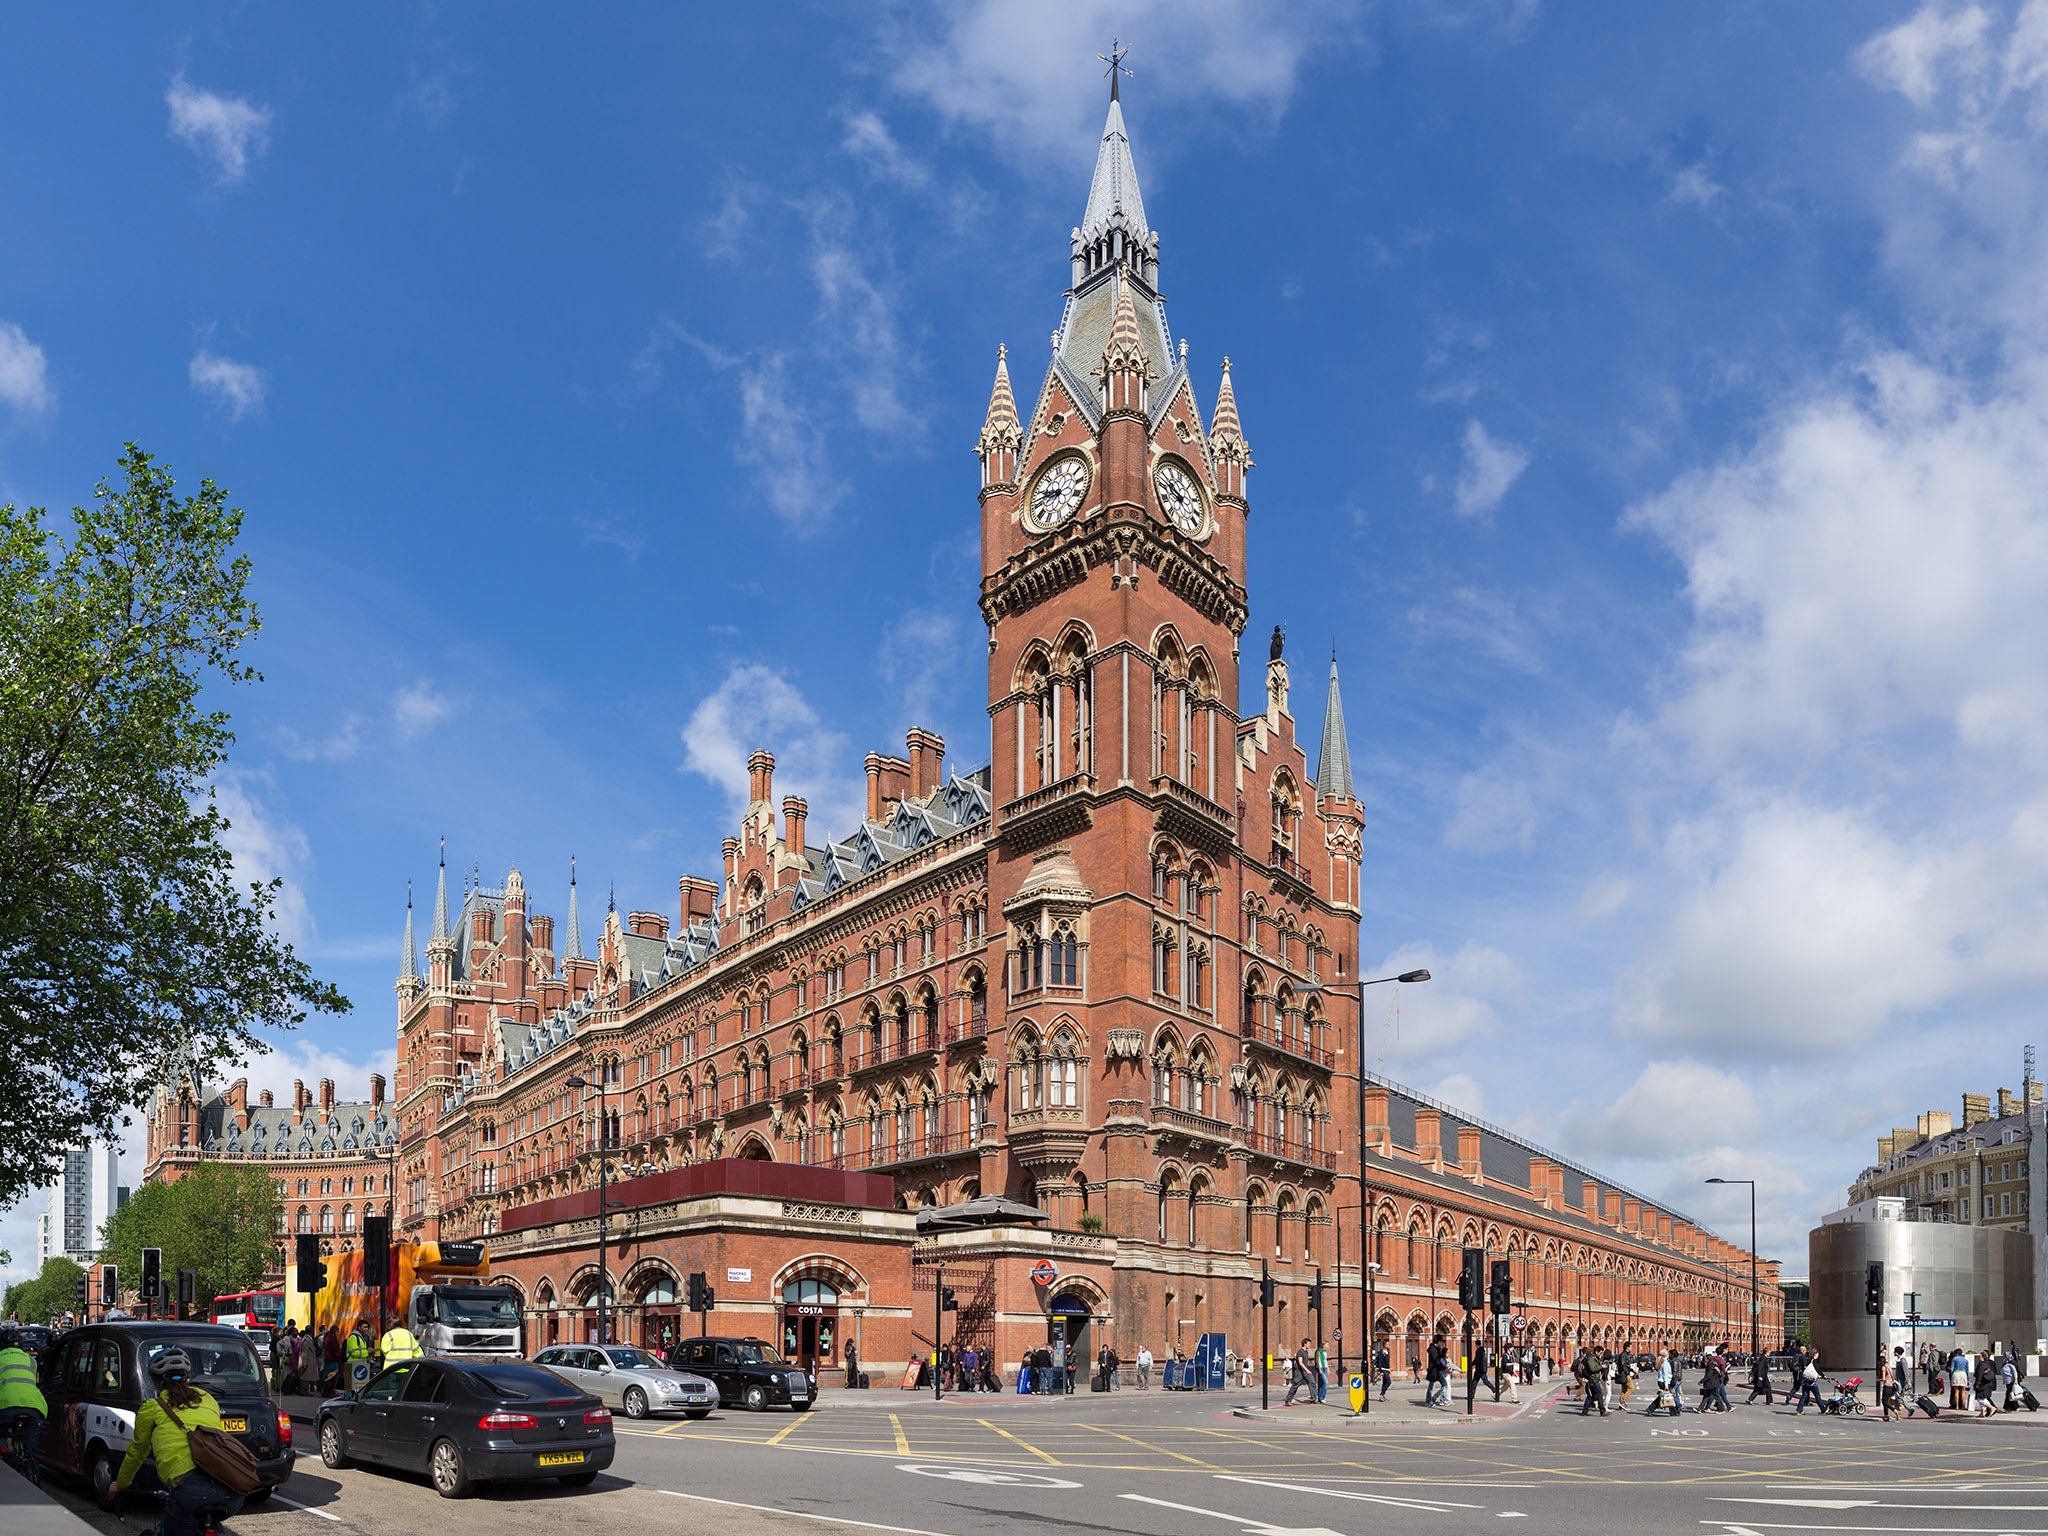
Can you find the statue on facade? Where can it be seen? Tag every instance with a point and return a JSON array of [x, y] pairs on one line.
[[1279, 641]]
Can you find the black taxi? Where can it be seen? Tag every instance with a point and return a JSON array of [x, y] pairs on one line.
[[747, 1372], [96, 1379]]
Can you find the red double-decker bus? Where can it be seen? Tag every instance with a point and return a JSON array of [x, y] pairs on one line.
[[257, 1313]]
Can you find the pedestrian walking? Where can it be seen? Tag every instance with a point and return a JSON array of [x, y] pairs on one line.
[[1299, 1364], [1144, 1368], [1439, 1374], [1591, 1372], [2009, 1378], [1884, 1389], [1716, 1382], [1414, 1361], [1984, 1382], [1322, 1374], [1760, 1379], [1959, 1381], [1244, 1370], [1625, 1376], [1383, 1362], [1671, 1378]]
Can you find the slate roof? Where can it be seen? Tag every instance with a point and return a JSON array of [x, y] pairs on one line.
[[347, 1129]]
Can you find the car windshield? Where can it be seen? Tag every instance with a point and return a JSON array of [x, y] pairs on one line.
[[633, 1360], [477, 1309], [515, 1380], [759, 1354], [220, 1361]]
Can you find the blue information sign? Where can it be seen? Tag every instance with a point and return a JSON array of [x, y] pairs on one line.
[[1923, 1322]]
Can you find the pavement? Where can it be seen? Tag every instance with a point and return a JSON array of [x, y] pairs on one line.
[[26, 1510]]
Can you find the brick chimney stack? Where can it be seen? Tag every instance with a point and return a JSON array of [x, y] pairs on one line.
[[327, 1095], [376, 1089], [1468, 1151], [760, 777], [927, 752], [264, 1101], [795, 815]]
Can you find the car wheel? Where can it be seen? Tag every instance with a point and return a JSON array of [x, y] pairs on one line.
[[696, 1413], [331, 1452], [578, 1479], [757, 1399], [100, 1473], [451, 1478], [635, 1403]]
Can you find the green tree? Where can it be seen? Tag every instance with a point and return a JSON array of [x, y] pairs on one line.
[[126, 944], [52, 1293], [219, 1221]]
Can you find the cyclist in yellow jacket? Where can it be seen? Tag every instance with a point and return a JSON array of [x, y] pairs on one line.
[[22, 1402], [160, 1435]]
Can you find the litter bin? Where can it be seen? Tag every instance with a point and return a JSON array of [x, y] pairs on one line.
[[1024, 1379]]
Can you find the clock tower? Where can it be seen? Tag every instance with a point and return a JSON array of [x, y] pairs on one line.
[[1158, 902]]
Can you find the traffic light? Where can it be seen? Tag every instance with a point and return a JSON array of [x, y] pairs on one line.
[[312, 1274], [152, 1273], [1269, 1290], [1472, 1280], [188, 1287], [82, 1294], [701, 1294], [1315, 1296], [1873, 1287], [1500, 1295], [110, 1284], [377, 1250], [948, 1302]]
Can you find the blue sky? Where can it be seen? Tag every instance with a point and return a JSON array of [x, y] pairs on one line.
[[1648, 405]]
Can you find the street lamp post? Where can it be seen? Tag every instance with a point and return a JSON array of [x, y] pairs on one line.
[[1755, 1314], [1364, 1215], [604, 1157]]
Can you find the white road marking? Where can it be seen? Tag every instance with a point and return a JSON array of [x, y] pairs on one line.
[[1989, 1509], [1240, 1521], [304, 1509], [799, 1514], [995, 1476], [1419, 1501], [1759, 1526]]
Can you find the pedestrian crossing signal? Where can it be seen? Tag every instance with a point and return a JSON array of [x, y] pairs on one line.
[[1269, 1291], [701, 1296], [1315, 1296], [1500, 1291], [1873, 1287], [312, 1274], [948, 1302], [1472, 1280]]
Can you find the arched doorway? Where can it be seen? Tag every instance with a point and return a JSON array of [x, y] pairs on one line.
[[661, 1321], [810, 1324]]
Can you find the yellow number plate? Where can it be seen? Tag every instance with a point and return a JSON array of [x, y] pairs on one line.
[[562, 1459], [235, 1426]]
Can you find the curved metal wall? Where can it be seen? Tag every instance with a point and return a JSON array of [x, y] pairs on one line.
[[1983, 1277]]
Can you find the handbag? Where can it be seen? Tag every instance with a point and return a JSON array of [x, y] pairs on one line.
[[220, 1456]]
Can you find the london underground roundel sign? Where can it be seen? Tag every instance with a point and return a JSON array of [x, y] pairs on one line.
[[1044, 1272]]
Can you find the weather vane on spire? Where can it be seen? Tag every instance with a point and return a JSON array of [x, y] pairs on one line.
[[1115, 60]]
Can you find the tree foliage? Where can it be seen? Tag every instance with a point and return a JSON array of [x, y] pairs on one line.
[[51, 1294], [125, 938], [219, 1220]]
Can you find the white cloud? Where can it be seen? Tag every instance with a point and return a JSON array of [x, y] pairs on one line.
[[224, 131], [1460, 1003], [784, 447], [1671, 1103], [265, 845], [336, 746], [308, 1061], [921, 658], [417, 709], [237, 388], [1489, 466], [1007, 71], [1461, 1091], [1691, 184], [869, 140], [1495, 809], [1913, 57], [857, 321], [756, 706], [24, 372]]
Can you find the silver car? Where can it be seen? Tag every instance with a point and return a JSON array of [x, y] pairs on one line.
[[631, 1378]]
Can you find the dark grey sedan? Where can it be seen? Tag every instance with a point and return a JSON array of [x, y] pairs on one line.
[[465, 1422]]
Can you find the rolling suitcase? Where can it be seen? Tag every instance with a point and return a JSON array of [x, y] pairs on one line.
[[1928, 1406], [2033, 1403]]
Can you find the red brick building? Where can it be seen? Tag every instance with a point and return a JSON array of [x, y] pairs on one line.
[[1105, 973]]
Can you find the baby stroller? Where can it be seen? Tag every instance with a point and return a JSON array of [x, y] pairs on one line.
[[1845, 1402]]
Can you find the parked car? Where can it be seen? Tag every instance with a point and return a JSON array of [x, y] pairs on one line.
[[748, 1373], [465, 1422], [630, 1379], [96, 1378]]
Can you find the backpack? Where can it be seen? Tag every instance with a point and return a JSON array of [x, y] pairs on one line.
[[220, 1456]]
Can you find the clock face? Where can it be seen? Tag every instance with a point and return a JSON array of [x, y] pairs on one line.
[[1179, 498], [1057, 495]]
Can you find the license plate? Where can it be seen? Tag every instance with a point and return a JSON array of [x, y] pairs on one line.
[[235, 1426], [562, 1459]]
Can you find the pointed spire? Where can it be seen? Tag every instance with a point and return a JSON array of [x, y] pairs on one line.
[[1114, 201], [442, 931], [574, 948], [1232, 453], [409, 963], [1001, 433], [1333, 769], [612, 903]]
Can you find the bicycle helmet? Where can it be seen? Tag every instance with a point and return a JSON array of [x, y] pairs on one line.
[[172, 1365]]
